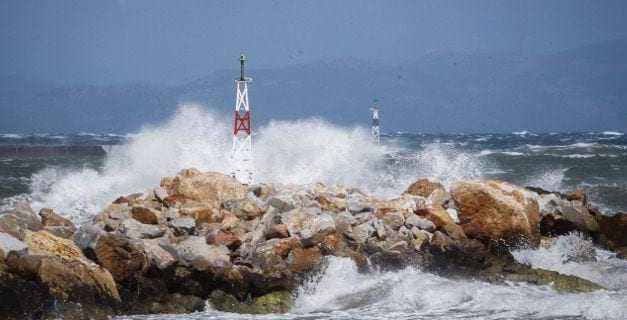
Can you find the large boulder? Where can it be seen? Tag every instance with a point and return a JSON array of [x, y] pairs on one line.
[[194, 251], [123, 257], [136, 230], [61, 266], [209, 187], [423, 188], [614, 231], [572, 208], [495, 210], [309, 225]]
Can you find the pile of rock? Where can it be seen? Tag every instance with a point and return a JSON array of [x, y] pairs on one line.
[[245, 248]]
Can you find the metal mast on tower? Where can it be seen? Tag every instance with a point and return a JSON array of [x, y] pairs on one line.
[[241, 155], [375, 131]]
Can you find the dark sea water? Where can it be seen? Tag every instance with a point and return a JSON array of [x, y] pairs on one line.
[[81, 180]]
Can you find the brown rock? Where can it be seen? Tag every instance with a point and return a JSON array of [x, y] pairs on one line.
[[496, 210], [554, 225], [577, 195], [437, 215], [614, 229], [303, 260], [224, 238], [145, 215], [423, 188], [211, 187], [121, 256], [56, 224], [277, 231], [65, 270], [50, 219]]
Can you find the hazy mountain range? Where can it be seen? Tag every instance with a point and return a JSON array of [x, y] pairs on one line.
[[574, 90]]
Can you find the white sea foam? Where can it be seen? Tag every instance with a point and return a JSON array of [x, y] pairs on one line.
[[411, 292], [612, 133], [549, 180], [446, 164], [507, 153], [565, 256], [11, 135]]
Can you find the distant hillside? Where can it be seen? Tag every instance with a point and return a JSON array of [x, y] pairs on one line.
[[579, 89]]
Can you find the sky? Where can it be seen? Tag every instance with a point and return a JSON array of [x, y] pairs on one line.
[[170, 42]]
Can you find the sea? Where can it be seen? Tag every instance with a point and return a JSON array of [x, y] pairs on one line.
[[77, 174]]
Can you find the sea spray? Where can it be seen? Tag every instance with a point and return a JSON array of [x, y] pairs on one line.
[[195, 137], [341, 292], [574, 254]]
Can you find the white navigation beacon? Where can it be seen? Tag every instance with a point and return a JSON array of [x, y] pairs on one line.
[[375, 131], [242, 152]]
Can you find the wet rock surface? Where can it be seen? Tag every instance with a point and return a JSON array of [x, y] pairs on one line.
[[205, 237]]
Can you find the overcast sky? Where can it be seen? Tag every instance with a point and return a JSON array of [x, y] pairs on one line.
[[106, 42]]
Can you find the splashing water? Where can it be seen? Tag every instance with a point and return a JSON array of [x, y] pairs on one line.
[[441, 162], [575, 255], [194, 137], [341, 292], [549, 180]]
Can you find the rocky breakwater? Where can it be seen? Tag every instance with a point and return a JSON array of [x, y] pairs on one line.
[[205, 237]]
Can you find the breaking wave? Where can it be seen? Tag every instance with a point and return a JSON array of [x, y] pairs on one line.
[[286, 152], [342, 291]]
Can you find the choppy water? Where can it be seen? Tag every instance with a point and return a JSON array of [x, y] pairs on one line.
[[308, 151]]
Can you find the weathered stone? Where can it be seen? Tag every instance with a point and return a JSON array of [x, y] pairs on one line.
[[560, 282], [309, 225], [344, 221], [50, 219], [194, 251], [123, 257], [210, 187], [439, 197], [183, 226], [275, 302], [393, 219], [64, 269], [421, 238], [87, 236], [577, 195], [280, 204], [160, 193], [157, 256], [303, 260], [221, 238], [145, 215], [137, 230], [277, 231], [331, 203], [423, 188], [406, 204], [246, 208], [614, 230], [360, 233], [379, 228], [437, 215], [9, 244], [495, 210], [421, 223], [19, 220], [580, 216], [555, 225]]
